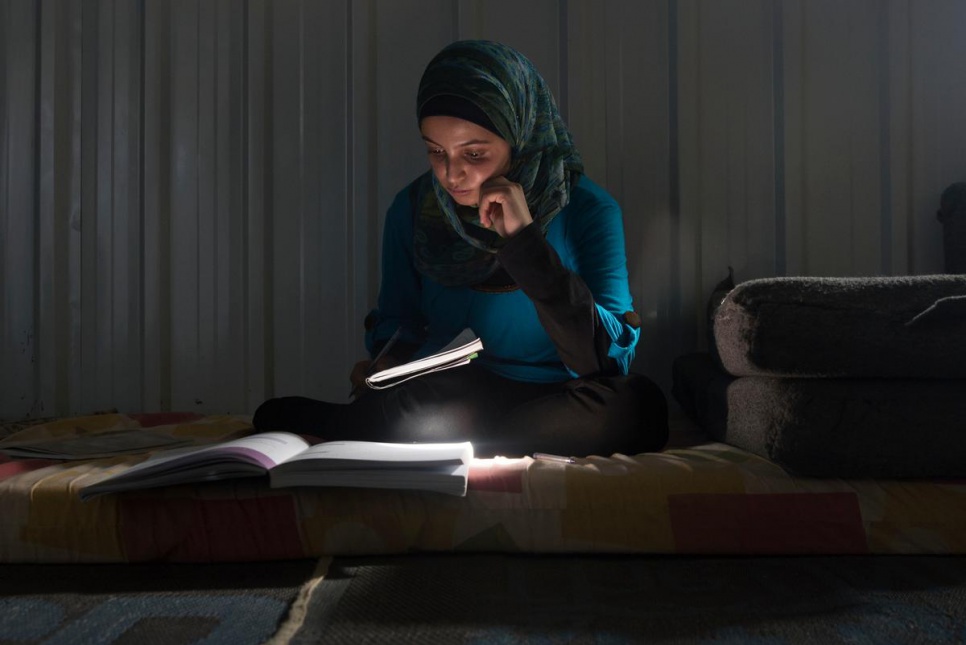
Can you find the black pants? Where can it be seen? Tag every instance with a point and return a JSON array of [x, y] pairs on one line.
[[595, 415]]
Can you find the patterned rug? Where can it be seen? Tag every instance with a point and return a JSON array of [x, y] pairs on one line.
[[494, 599], [143, 604]]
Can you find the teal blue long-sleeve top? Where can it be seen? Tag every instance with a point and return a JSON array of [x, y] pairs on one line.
[[572, 302]]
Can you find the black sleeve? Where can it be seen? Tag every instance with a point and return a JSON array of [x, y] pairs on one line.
[[563, 301]]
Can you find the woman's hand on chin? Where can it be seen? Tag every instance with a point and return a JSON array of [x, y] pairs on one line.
[[503, 207]]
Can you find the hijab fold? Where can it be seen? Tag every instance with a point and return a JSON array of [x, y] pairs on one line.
[[450, 245]]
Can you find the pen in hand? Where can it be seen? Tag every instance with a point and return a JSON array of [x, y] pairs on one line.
[[372, 366]]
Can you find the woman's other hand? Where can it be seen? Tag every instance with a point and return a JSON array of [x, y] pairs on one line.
[[362, 369], [503, 207]]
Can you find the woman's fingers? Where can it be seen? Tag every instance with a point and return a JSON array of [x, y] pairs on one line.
[[365, 368], [503, 206], [358, 375]]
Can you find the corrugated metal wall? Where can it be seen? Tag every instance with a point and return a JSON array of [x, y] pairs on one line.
[[191, 191]]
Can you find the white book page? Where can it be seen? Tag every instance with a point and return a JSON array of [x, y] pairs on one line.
[[386, 384], [265, 449], [465, 344], [450, 479], [351, 454]]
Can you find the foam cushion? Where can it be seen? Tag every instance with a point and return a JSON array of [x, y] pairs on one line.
[[896, 327], [845, 428]]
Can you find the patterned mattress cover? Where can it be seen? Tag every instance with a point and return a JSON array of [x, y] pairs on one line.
[[709, 498]]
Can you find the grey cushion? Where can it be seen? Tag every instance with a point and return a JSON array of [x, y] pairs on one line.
[[846, 428], [882, 327]]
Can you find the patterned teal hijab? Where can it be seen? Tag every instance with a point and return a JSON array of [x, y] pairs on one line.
[[451, 246]]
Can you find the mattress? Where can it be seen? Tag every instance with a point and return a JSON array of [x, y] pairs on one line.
[[706, 498]]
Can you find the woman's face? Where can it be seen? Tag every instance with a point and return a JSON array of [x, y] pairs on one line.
[[463, 155]]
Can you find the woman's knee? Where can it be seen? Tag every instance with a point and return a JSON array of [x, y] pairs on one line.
[[652, 411], [631, 411], [289, 413]]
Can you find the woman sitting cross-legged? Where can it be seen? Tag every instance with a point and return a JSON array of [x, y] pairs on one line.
[[506, 236]]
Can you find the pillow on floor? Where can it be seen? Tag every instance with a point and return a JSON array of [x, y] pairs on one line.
[[882, 327], [842, 428]]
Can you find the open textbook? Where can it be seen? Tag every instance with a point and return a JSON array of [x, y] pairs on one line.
[[289, 460], [460, 351]]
